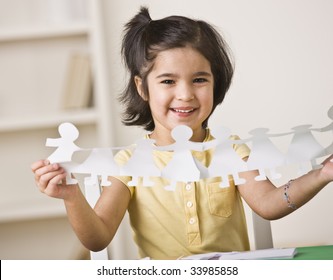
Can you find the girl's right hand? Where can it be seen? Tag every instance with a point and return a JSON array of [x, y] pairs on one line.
[[51, 180]]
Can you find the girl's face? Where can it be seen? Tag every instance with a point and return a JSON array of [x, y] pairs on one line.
[[180, 92]]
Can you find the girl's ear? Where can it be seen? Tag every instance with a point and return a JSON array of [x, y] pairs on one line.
[[139, 88]]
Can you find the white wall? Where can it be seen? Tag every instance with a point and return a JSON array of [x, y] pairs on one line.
[[283, 78]]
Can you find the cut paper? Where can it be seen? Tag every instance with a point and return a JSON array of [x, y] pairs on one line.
[[264, 154], [225, 161], [69, 167], [100, 163], [141, 164], [328, 149], [304, 148], [66, 147], [184, 167], [262, 254]]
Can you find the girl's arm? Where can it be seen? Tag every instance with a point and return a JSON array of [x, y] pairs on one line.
[[95, 228], [272, 203]]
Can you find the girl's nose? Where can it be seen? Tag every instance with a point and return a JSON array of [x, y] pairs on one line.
[[185, 93]]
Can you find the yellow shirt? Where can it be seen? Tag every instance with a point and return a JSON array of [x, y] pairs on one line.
[[198, 217]]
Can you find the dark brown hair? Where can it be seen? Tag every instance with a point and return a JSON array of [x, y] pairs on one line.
[[144, 38]]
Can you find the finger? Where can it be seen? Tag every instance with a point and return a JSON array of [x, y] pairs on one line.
[[55, 185], [44, 180], [38, 164], [58, 180], [47, 168]]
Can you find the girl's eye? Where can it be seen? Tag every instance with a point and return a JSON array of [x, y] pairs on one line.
[[168, 82], [200, 80]]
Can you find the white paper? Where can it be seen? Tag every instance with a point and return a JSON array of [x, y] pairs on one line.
[[265, 156], [278, 253]]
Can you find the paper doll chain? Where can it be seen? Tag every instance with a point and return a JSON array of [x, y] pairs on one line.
[[263, 155]]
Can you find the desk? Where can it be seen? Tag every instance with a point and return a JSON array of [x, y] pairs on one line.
[[314, 253]]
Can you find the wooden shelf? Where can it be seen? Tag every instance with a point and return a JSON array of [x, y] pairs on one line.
[[27, 51], [12, 124], [32, 32]]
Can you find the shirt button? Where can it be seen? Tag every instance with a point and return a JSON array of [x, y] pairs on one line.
[[189, 204], [191, 221], [188, 187]]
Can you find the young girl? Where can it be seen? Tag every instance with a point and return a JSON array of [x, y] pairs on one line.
[[180, 71]]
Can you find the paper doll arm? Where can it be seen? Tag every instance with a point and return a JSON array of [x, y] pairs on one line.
[[209, 145], [324, 129], [123, 148], [280, 134], [52, 142], [196, 146], [165, 148], [242, 141]]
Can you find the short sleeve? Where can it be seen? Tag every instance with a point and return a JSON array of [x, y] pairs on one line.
[[121, 158], [241, 149]]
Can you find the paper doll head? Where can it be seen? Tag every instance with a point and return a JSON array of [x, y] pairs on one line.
[[221, 133], [68, 131], [181, 133]]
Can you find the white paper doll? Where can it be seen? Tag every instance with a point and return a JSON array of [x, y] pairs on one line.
[[264, 154], [100, 162], [182, 167], [65, 149], [65, 144], [304, 148], [141, 164], [225, 160], [329, 149]]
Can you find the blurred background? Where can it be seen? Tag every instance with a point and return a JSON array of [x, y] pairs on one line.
[[60, 62]]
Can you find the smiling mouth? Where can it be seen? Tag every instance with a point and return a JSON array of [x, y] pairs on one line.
[[183, 111]]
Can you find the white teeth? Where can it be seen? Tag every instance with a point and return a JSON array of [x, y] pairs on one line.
[[183, 111]]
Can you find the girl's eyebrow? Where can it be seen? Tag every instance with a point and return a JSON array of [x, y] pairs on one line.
[[203, 73], [166, 75], [171, 75]]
